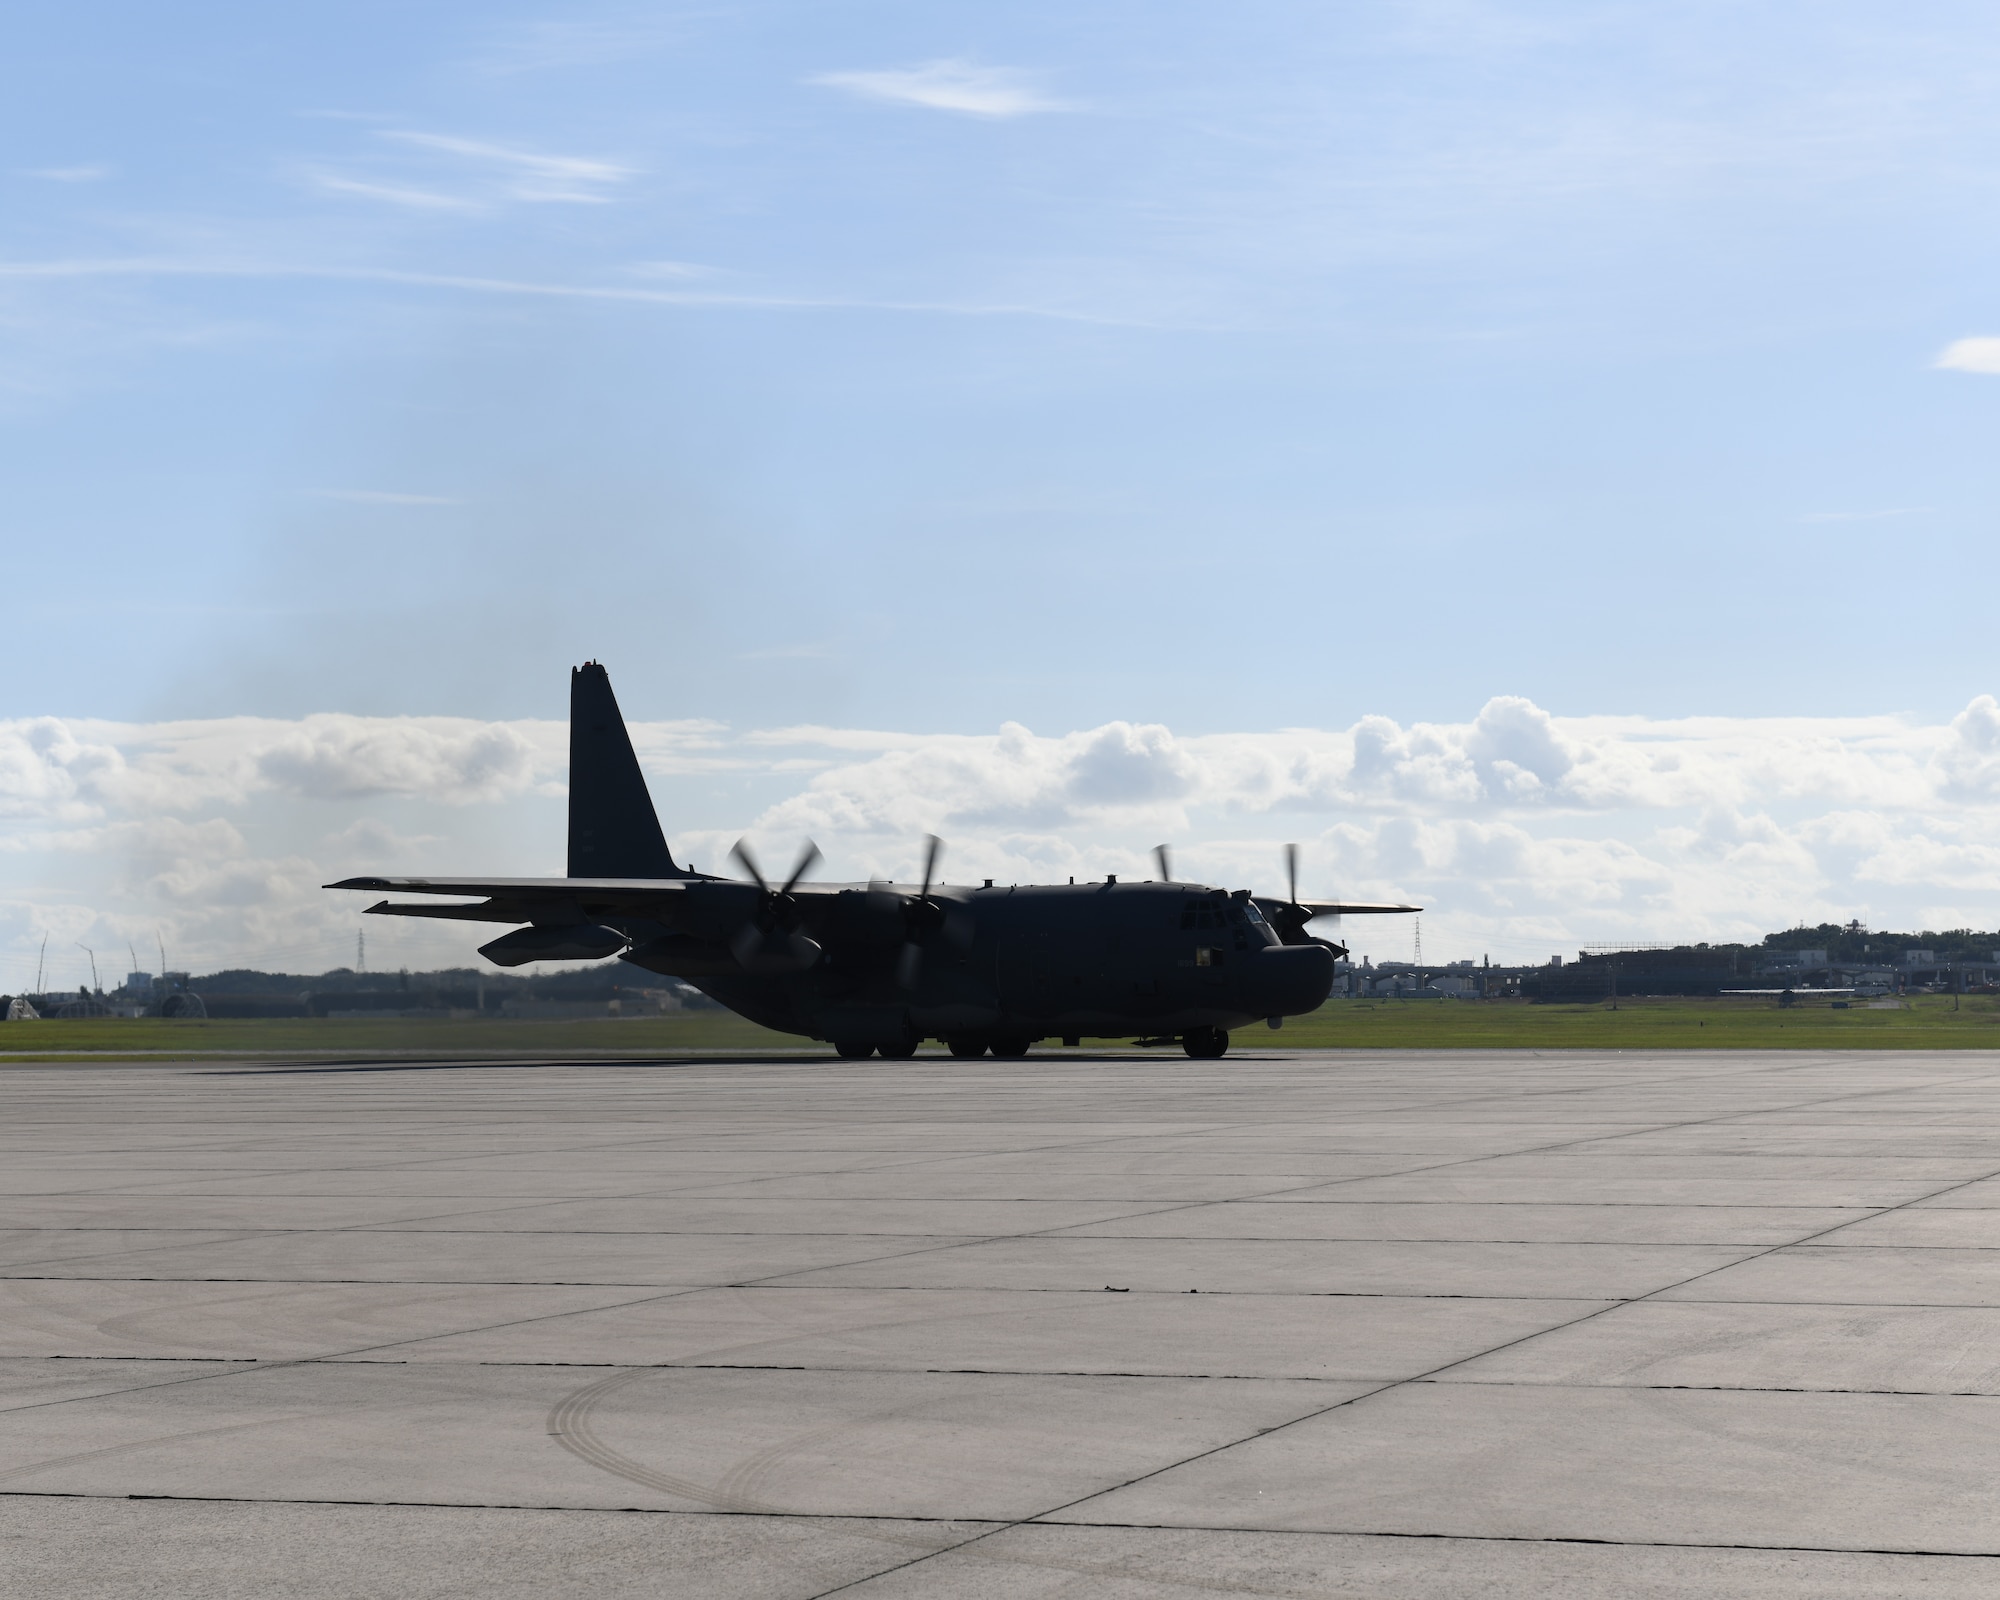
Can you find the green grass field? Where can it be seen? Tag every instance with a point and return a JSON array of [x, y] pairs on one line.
[[1926, 1022]]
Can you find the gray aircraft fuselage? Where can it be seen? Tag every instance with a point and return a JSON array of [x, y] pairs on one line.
[[1022, 962]]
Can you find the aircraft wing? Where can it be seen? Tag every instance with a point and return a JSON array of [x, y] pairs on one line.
[[521, 888], [1343, 908], [525, 899]]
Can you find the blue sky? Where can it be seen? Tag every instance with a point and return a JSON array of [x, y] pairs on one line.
[[923, 369], [922, 366]]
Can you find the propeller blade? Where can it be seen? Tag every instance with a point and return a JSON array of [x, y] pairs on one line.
[[1292, 871], [1166, 863], [908, 964], [932, 845], [740, 851], [747, 945], [807, 857]]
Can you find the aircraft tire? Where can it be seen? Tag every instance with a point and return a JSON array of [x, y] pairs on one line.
[[966, 1049], [1205, 1044], [1010, 1049], [898, 1052], [850, 1051]]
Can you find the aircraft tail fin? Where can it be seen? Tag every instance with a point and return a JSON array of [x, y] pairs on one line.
[[613, 830]]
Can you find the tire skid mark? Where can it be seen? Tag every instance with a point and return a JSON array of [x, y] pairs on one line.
[[136, 1444], [571, 1423]]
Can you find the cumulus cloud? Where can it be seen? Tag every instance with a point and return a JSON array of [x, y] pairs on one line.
[[1971, 355], [1969, 762], [948, 85], [1521, 831], [340, 757]]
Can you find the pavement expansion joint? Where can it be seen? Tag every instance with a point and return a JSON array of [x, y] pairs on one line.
[[719, 1318]]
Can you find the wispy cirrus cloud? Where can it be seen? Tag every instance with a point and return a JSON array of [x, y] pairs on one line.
[[395, 194], [84, 267], [90, 173], [1970, 355], [528, 175], [947, 85], [442, 172]]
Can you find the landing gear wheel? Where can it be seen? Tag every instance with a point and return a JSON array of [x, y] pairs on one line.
[[1010, 1049], [966, 1049], [1205, 1044], [897, 1052], [848, 1050]]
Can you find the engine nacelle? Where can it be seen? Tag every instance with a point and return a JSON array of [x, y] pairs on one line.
[[577, 941]]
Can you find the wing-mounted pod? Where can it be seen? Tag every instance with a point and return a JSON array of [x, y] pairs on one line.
[[580, 941]]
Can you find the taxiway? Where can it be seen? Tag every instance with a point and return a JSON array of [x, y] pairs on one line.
[[1085, 1325]]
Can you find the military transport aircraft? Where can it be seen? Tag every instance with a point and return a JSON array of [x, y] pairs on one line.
[[877, 967]]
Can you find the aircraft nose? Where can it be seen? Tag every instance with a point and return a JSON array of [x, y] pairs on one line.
[[1287, 979]]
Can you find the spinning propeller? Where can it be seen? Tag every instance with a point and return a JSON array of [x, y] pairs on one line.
[[770, 940], [1289, 916], [924, 918]]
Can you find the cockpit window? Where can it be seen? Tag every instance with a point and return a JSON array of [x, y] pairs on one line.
[[1250, 910]]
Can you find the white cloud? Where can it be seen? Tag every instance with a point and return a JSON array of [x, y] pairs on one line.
[[1969, 760], [1521, 831], [83, 174], [1971, 355], [527, 174], [396, 194], [341, 758], [948, 85]]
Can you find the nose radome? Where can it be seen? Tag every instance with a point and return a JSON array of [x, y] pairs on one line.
[[1287, 979]]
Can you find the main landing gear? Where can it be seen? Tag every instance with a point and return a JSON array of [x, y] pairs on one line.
[[1205, 1044], [966, 1049], [851, 1050]]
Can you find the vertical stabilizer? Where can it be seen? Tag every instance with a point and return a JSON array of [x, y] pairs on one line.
[[613, 829]]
